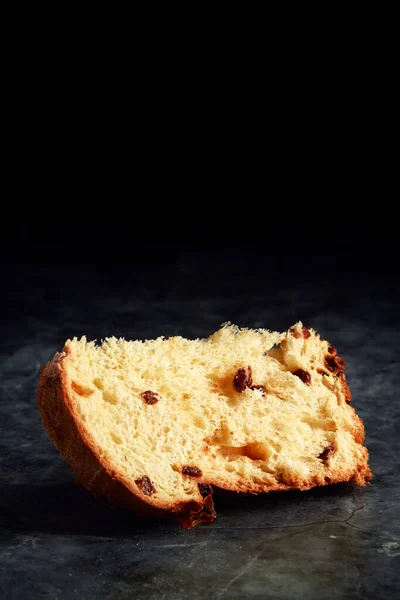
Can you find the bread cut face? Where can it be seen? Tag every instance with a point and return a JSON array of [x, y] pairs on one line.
[[154, 425]]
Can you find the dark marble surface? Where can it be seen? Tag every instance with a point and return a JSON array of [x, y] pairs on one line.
[[57, 541]]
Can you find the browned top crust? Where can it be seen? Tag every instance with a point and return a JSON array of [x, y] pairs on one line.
[[93, 470]]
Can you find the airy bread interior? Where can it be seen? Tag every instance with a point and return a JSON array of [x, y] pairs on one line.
[[245, 410]]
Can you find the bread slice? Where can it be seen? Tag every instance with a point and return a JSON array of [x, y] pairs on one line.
[[154, 425]]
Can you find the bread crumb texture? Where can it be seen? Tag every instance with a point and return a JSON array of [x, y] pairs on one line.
[[245, 410]]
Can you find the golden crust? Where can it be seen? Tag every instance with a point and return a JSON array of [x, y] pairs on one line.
[[92, 469]]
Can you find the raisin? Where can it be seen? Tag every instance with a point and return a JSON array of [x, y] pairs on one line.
[[145, 485], [150, 397], [205, 516], [205, 490], [191, 471], [243, 379], [330, 363], [327, 453], [333, 363], [303, 375], [304, 331], [262, 388]]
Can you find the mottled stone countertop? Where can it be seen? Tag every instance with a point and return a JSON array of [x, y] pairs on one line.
[[57, 541]]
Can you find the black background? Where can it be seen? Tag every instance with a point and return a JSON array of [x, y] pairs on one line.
[[120, 245]]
